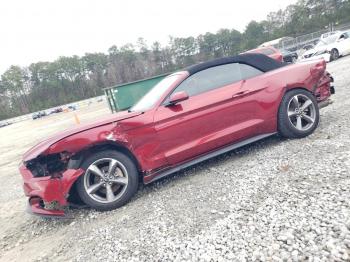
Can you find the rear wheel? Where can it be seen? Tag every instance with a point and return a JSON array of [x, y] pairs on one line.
[[109, 181], [334, 54], [298, 115]]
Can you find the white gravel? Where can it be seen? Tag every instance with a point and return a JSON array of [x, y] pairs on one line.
[[276, 200]]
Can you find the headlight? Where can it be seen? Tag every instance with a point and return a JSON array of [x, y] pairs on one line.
[[308, 55]]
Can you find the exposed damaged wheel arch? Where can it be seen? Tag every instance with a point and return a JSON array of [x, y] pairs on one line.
[[78, 158]]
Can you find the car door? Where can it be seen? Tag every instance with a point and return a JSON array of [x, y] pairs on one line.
[[343, 44], [347, 43], [212, 117]]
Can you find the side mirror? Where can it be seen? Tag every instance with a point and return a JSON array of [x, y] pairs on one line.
[[178, 97]]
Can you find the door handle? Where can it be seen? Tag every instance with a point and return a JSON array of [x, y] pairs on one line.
[[242, 93]]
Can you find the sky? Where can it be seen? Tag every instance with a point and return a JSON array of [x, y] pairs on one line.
[[43, 30]]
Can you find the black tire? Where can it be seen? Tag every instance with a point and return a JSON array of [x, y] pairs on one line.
[[286, 124], [334, 54], [125, 195]]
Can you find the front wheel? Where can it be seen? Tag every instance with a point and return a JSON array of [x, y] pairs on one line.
[[298, 115], [109, 181]]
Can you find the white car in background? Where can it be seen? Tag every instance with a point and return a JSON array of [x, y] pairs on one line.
[[330, 48], [328, 34]]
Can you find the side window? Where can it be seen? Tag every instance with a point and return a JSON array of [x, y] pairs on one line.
[[248, 71], [211, 78]]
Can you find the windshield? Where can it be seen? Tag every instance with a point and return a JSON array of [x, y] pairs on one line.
[[320, 43], [149, 99], [326, 41]]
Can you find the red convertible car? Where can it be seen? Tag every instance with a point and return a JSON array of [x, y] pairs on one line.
[[190, 116]]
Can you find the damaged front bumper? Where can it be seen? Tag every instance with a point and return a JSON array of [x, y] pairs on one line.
[[48, 195]]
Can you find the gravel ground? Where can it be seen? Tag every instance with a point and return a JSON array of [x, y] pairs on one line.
[[275, 200]]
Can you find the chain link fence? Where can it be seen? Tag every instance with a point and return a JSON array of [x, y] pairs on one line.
[[312, 38]]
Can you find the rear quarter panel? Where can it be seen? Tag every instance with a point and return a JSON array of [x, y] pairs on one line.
[[295, 76], [274, 84]]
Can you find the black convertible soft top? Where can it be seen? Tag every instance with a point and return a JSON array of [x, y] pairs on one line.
[[259, 61]]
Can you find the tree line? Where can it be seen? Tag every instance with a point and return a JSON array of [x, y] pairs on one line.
[[46, 84]]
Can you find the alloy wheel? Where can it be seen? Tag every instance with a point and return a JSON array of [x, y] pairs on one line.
[[106, 180], [334, 54], [301, 112]]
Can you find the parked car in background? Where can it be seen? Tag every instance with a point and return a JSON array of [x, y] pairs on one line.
[[35, 116], [3, 124], [317, 52], [72, 107], [330, 48], [328, 34], [188, 117], [56, 110], [309, 46], [278, 43], [289, 56], [269, 51], [38, 115]]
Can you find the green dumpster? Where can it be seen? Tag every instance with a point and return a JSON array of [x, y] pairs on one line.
[[122, 97]]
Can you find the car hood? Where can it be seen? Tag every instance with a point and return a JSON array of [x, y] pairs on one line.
[[43, 147], [315, 50], [310, 52]]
